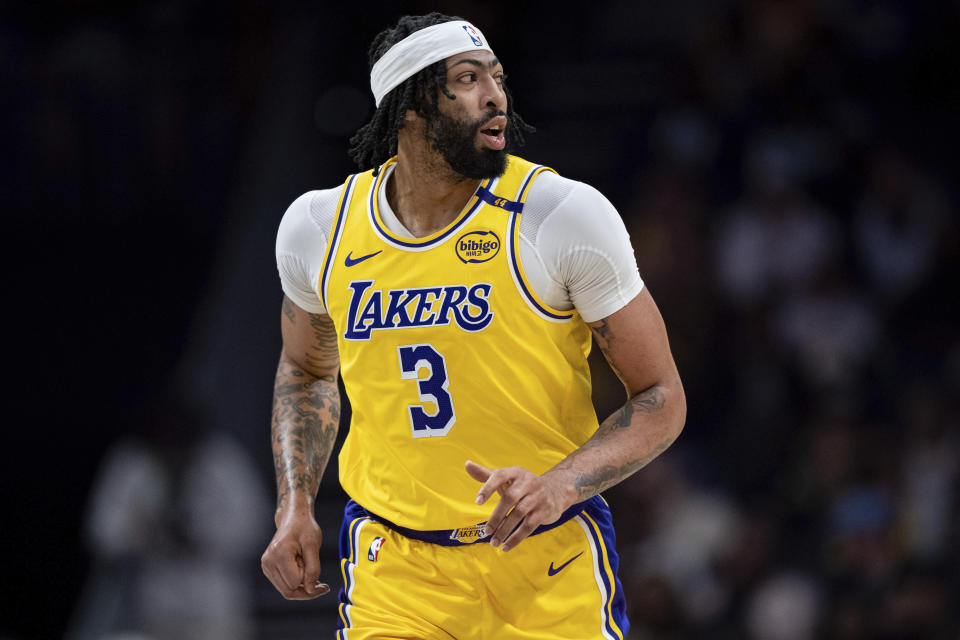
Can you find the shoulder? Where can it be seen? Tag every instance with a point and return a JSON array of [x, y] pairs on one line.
[[576, 208], [308, 221], [316, 209], [302, 243], [580, 239]]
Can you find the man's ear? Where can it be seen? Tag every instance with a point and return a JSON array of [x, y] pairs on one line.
[[412, 122]]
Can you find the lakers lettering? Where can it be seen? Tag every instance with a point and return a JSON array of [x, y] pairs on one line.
[[374, 309], [469, 534]]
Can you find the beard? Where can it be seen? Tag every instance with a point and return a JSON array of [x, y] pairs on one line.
[[456, 141]]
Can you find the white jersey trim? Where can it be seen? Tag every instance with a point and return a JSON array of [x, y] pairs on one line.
[[516, 262], [328, 265], [597, 556]]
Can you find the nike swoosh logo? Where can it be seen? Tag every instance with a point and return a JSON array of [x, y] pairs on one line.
[[552, 572], [352, 261]]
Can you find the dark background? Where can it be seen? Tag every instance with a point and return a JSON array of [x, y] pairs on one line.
[[786, 169]]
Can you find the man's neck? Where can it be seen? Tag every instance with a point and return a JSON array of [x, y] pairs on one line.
[[424, 193]]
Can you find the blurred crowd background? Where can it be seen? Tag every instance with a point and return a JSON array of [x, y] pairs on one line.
[[786, 169]]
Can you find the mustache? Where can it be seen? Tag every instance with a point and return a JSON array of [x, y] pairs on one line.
[[476, 125]]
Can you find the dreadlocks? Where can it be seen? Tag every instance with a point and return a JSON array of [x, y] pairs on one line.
[[376, 141]]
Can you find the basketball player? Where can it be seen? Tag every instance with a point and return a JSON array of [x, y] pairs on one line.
[[455, 288]]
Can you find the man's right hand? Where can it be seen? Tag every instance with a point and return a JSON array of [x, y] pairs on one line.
[[292, 559]]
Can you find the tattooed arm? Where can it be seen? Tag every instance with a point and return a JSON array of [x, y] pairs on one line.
[[306, 412], [634, 341]]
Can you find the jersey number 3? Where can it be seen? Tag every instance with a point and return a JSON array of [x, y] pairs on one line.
[[432, 389]]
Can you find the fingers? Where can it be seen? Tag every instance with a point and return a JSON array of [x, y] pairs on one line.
[[311, 573], [280, 583], [477, 472], [317, 589], [512, 496], [270, 571], [514, 518], [495, 521], [289, 567], [279, 564], [525, 503], [527, 526], [300, 593], [293, 569], [497, 482]]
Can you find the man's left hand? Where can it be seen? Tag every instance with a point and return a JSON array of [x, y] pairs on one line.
[[526, 501]]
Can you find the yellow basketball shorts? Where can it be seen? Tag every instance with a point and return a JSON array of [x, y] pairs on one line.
[[560, 583]]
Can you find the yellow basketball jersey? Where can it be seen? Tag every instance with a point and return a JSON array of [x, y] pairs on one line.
[[447, 354]]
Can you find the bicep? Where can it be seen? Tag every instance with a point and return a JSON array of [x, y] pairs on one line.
[[309, 340], [634, 342], [585, 248]]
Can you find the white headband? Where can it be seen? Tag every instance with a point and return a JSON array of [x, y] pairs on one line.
[[419, 50]]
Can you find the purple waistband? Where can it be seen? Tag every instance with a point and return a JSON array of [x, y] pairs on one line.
[[464, 535]]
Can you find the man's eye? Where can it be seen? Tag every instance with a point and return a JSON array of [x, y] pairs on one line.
[[468, 77]]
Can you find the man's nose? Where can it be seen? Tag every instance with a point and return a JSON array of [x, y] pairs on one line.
[[493, 95]]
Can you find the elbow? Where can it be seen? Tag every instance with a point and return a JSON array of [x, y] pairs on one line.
[[665, 404], [677, 404]]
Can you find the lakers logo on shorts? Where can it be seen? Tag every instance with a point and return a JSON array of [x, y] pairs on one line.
[[469, 534]]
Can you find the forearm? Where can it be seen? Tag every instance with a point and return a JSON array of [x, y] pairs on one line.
[[306, 414], [625, 442]]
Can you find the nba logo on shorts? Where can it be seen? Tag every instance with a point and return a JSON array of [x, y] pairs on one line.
[[375, 549], [473, 35]]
